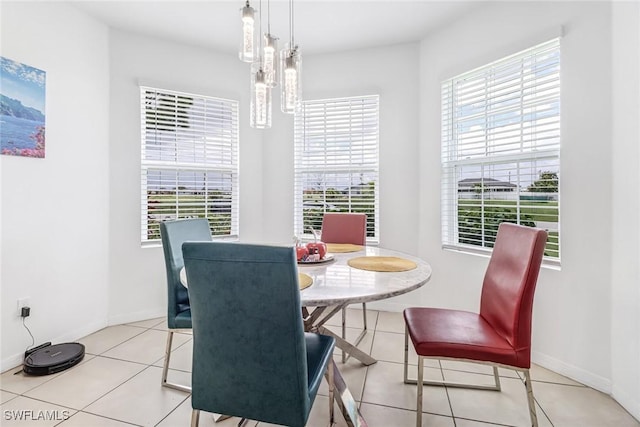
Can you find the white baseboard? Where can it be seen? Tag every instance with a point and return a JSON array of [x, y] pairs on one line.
[[577, 374], [137, 316], [628, 401], [17, 359]]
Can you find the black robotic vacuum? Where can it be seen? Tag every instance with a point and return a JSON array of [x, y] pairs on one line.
[[49, 359]]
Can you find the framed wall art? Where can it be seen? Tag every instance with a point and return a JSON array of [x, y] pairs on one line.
[[22, 109]]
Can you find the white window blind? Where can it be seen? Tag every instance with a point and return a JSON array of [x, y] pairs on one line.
[[189, 161], [336, 161], [501, 149]]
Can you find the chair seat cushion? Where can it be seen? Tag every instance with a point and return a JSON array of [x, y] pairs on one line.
[[182, 320], [319, 353], [459, 334]]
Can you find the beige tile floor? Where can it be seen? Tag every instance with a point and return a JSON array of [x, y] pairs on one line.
[[118, 385]]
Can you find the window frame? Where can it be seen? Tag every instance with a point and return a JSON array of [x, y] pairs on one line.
[[208, 150], [360, 127], [492, 147]]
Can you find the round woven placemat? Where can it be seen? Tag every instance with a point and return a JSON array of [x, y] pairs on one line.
[[382, 263], [304, 280], [341, 248]]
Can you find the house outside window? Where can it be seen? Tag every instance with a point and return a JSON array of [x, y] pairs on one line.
[[501, 150], [189, 161], [336, 162]]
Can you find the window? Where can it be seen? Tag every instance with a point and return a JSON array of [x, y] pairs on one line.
[[336, 161], [501, 149], [189, 161]]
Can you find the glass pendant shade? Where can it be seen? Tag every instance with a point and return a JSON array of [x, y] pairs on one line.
[[261, 107], [270, 65], [247, 47], [290, 80]]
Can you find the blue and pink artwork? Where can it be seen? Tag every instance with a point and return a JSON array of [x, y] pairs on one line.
[[22, 96]]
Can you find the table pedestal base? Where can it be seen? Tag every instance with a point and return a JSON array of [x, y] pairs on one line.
[[347, 404], [314, 322]]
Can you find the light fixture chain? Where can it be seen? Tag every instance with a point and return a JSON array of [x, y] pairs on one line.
[[260, 33], [291, 23]]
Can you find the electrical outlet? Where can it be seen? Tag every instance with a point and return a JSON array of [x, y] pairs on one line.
[[23, 302]]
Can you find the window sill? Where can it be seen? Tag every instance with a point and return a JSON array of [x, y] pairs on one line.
[[547, 263], [158, 243]]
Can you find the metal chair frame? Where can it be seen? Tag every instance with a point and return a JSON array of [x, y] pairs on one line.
[[496, 387], [165, 366]]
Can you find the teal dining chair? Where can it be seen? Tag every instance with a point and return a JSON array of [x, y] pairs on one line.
[[251, 356], [174, 234]]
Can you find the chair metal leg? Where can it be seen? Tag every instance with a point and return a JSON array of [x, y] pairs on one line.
[[195, 418], [419, 382], [406, 355], [330, 380], [167, 356], [344, 329], [496, 378], [165, 367], [364, 315], [530, 399]]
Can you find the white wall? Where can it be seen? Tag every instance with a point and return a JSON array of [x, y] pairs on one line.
[[137, 287], [625, 253], [572, 311], [55, 210]]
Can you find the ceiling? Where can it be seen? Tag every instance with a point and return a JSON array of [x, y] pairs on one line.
[[320, 26]]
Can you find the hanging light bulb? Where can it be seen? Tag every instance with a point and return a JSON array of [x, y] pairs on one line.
[[260, 98], [270, 59], [247, 48], [291, 67]]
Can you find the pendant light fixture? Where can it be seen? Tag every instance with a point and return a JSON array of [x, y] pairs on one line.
[[290, 72], [261, 106], [247, 46], [268, 67]]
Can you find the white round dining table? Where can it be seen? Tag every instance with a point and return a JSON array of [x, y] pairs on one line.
[[336, 285]]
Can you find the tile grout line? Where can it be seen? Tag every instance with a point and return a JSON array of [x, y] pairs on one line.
[[446, 390], [120, 343], [100, 416], [173, 410]]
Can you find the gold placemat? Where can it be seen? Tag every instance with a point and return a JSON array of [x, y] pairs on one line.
[[382, 263], [304, 280], [341, 248]]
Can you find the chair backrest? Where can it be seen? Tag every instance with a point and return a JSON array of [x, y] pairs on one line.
[[509, 285], [344, 228], [174, 234], [249, 352]]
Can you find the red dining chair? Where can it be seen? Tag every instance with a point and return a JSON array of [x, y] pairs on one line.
[[500, 335], [346, 228]]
